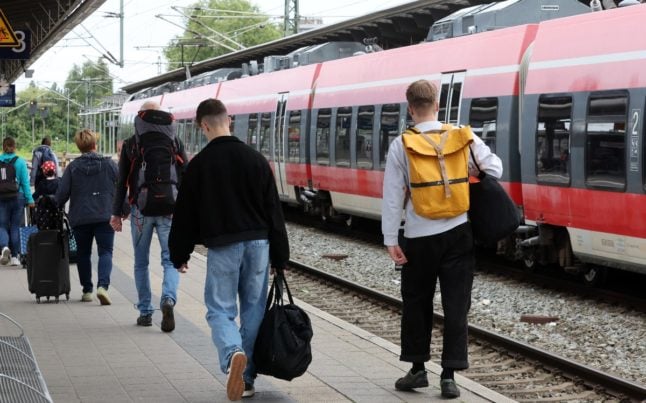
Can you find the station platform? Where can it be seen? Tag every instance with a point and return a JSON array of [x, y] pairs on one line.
[[93, 353]]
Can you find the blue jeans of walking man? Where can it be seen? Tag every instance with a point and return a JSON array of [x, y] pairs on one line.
[[236, 269], [142, 228]]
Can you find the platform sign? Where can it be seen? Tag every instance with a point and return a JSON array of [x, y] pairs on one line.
[[20, 52], [7, 36], [8, 99]]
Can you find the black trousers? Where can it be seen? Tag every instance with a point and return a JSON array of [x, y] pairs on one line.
[[448, 256]]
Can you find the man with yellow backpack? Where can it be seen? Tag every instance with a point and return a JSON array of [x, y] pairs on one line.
[[427, 174]]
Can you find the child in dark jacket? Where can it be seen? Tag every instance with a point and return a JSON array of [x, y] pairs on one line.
[[49, 186]]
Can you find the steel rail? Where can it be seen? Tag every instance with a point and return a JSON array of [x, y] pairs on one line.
[[566, 366]]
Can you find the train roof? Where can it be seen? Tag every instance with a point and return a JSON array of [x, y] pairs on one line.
[[399, 26]]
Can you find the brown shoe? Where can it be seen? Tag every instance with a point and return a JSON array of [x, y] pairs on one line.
[[235, 382]]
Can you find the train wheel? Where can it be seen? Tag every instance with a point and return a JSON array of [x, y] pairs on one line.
[[594, 275], [529, 262]]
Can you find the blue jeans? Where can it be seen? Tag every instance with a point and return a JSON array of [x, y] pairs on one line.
[[237, 269], [142, 228], [11, 211], [104, 235]]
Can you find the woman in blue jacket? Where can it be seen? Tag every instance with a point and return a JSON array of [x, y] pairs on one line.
[[14, 193], [89, 183]]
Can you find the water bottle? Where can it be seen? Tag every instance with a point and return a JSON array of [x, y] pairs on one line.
[[595, 5]]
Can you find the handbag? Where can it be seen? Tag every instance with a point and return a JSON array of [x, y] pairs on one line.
[[25, 232], [70, 236], [492, 212], [282, 348]]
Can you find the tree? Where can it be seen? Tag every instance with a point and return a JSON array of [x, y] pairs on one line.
[[89, 83], [38, 113], [238, 20]]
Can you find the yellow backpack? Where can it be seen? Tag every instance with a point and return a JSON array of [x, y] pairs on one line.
[[439, 170]]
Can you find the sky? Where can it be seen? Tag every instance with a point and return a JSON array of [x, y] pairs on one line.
[[145, 35]]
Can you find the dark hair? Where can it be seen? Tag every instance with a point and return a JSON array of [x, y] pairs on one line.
[[421, 94], [46, 141], [9, 144], [210, 107]]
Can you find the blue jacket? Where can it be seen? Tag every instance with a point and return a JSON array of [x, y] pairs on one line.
[[37, 161], [22, 175], [89, 184]]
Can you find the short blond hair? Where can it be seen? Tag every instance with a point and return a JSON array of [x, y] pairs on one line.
[[86, 140], [422, 94]]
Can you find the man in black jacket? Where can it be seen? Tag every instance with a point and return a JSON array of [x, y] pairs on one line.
[[154, 130], [228, 202]]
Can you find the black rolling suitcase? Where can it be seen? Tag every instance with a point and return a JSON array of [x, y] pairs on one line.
[[48, 267]]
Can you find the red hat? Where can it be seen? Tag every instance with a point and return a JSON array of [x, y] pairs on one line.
[[49, 168]]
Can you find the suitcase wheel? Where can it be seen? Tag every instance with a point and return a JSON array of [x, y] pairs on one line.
[[56, 300], [67, 296], [48, 298], [38, 300]]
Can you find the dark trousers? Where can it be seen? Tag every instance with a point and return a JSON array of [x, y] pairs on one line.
[[104, 235], [449, 257]]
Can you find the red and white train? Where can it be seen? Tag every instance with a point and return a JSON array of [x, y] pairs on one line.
[[561, 102]]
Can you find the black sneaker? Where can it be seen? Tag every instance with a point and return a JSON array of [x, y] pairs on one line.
[[412, 381], [168, 318], [449, 388], [249, 390], [145, 320]]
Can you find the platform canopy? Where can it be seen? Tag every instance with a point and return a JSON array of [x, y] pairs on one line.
[[45, 22]]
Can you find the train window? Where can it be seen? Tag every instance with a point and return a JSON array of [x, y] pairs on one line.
[[482, 118], [605, 154], [323, 136], [252, 131], [389, 130], [409, 120], [294, 136], [232, 124], [365, 124], [342, 140], [444, 96], [189, 130], [454, 110], [553, 139], [265, 134]]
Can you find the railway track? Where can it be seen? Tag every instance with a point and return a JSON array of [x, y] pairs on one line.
[[514, 369], [627, 293]]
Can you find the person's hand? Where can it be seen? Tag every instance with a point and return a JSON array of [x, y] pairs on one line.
[[115, 223], [183, 268], [397, 255]]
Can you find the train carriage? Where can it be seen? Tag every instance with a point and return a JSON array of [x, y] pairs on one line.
[[561, 102]]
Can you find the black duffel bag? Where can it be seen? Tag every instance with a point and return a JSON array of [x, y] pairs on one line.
[[492, 212], [282, 348]]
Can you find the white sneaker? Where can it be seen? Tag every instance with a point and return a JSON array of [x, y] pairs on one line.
[[14, 261], [5, 258]]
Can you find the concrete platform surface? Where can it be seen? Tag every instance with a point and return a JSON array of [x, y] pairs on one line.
[[93, 353]]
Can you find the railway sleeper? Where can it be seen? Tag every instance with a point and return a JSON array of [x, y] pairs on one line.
[[515, 371], [493, 364], [542, 389], [516, 381], [564, 398]]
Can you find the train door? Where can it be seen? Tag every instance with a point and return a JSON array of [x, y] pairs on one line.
[[279, 151], [451, 97]]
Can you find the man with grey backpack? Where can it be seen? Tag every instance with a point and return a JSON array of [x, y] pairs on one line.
[[151, 164]]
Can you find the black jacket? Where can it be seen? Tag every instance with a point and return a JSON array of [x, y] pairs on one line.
[[88, 182], [127, 181], [46, 187], [228, 195]]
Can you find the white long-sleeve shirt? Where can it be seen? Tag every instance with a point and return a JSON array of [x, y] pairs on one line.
[[396, 182]]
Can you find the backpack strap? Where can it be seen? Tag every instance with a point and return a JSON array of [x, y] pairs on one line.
[[13, 160], [440, 157]]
